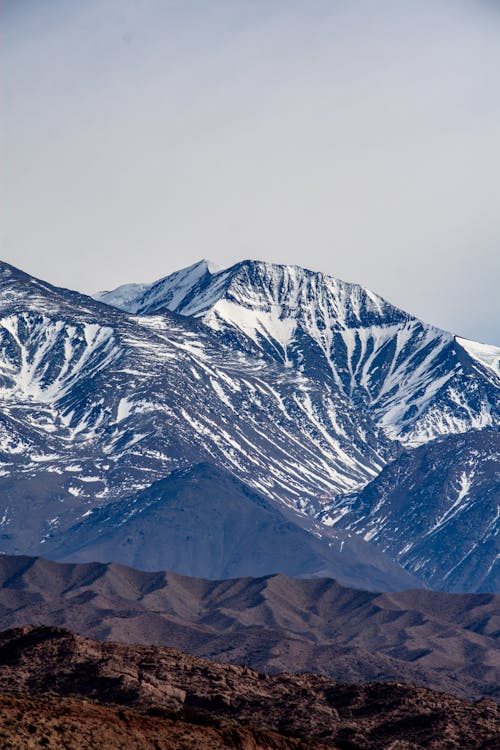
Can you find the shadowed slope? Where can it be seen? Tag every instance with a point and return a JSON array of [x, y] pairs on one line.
[[202, 521], [435, 508]]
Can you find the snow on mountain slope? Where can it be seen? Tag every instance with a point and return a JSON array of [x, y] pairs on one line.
[[169, 293], [416, 381], [123, 297], [106, 403], [486, 354], [435, 508]]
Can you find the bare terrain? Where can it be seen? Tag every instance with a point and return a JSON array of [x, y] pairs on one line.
[[181, 701], [447, 642], [81, 724]]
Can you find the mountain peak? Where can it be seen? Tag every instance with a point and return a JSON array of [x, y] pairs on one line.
[[300, 385], [336, 331], [168, 293], [289, 290]]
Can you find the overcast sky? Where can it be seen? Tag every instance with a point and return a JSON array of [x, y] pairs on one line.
[[356, 137]]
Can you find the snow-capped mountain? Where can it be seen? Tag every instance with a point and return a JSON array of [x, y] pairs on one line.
[[300, 385], [96, 403], [416, 381]]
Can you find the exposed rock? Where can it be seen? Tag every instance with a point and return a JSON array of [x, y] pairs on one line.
[[80, 724], [373, 716]]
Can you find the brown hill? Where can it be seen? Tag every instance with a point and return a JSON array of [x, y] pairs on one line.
[[447, 642], [163, 682]]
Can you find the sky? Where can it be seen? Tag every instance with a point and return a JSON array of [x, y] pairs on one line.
[[356, 137]]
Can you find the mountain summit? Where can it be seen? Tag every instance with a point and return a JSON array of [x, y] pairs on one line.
[[417, 381]]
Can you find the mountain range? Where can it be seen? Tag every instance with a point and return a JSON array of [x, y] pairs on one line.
[[447, 642], [205, 522], [346, 419]]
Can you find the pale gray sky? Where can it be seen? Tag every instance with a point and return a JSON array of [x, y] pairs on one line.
[[356, 137]]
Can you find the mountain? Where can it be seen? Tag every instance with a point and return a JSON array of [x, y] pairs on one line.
[[432, 508], [170, 293], [416, 381], [202, 521], [176, 705], [84, 380], [96, 403], [447, 642], [300, 385]]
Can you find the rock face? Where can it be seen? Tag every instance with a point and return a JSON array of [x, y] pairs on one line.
[[41, 660], [300, 385], [447, 642]]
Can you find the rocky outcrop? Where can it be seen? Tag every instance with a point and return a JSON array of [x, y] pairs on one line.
[[375, 716]]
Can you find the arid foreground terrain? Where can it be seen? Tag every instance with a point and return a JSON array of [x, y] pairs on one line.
[[60, 690]]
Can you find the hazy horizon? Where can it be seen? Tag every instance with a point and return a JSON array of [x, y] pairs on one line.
[[356, 138]]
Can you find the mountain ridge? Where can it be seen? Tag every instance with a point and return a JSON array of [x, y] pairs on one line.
[[202, 521], [257, 301], [448, 642], [247, 709]]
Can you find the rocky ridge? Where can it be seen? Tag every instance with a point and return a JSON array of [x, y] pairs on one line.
[[40, 660]]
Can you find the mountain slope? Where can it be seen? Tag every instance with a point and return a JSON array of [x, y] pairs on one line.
[[445, 641], [79, 723], [202, 521], [311, 711], [417, 381], [432, 508]]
